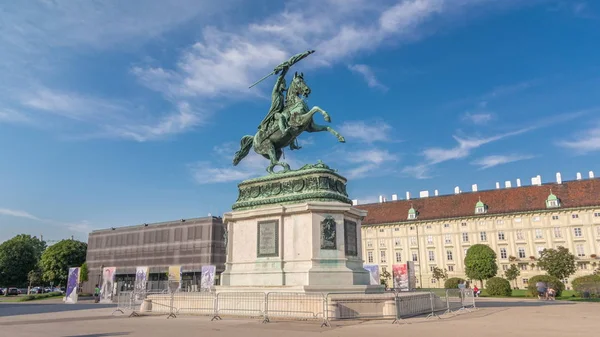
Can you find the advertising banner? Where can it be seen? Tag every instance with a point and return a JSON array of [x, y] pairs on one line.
[[108, 284], [72, 283], [400, 276], [207, 280], [412, 276], [175, 278], [373, 270], [141, 279]]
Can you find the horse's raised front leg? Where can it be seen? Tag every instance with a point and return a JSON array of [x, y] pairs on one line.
[[316, 109], [320, 128]]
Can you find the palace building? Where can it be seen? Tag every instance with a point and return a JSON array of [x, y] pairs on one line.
[[517, 222]]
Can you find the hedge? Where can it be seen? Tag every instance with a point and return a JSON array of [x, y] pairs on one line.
[[452, 283], [588, 283], [550, 281], [39, 296], [497, 286]]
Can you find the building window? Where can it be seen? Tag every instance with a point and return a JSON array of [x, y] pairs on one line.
[[480, 209], [413, 241], [597, 215], [412, 216], [397, 242], [523, 266], [412, 228], [519, 235], [555, 217], [383, 258], [540, 250], [517, 219], [503, 253], [521, 252], [499, 222], [369, 244], [414, 257], [381, 230], [580, 250], [465, 251], [398, 257], [582, 266], [525, 281], [552, 203], [464, 224], [431, 255], [501, 236], [557, 233], [370, 256], [433, 280], [450, 268], [536, 218], [465, 237], [504, 267], [383, 269], [483, 236], [382, 243], [449, 255], [539, 234], [428, 227], [448, 238], [429, 240], [577, 232], [575, 216], [397, 229], [446, 225]]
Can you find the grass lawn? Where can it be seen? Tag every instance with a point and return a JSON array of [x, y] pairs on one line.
[[27, 298], [567, 295]]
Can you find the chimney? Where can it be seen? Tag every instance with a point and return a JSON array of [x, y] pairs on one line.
[[591, 174], [354, 202], [407, 195], [435, 192], [456, 190], [578, 175], [558, 178], [497, 185], [381, 198], [474, 187], [394, 197], [507, 184], [539, 180], [518, 182], [423, 194]]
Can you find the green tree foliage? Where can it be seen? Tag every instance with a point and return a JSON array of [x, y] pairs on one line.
[[34, 277], [557, 262], [384, 277], [452, 283], [512, 273], [439, 274], [480, 263], [83, 273], [19, 256], [551, 282], [589, 283], [58, 258], [497, 286]]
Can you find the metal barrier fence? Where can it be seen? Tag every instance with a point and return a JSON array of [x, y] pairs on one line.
[[298, 306]]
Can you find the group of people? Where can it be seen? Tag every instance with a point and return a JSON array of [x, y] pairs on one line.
[[545, 292]]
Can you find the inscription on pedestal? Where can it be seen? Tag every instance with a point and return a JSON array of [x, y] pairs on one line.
[[350, 239], [328, 233], [267, 238]]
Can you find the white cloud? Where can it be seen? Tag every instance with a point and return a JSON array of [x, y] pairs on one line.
[[12, 116], [368, 75], [366, 131], [495, 160], [18, 214], [370, 162], [421, 171], [585, 142], [478, 118], [81, 227]]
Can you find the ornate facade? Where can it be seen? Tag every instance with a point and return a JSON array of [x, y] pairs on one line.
[[518, 223]]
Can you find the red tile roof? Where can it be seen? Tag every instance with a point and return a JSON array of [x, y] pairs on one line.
[[577, 193]]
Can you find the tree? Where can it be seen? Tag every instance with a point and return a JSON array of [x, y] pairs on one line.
[[480, 263], [34, 277], [58, 258], [83, 273], [384, 277], [557, 262], [439, 274], [19, 256], [512, 273]]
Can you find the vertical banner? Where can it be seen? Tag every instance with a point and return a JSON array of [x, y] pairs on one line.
[[141, 278], [412, 276], [174, 278], [373, 270], [207, 280], [108, 280], [72, 282], [400, 275]]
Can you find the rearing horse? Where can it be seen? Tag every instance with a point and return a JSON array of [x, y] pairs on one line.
[[270, 143]]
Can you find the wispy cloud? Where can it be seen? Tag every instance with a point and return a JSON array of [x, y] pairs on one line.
[[368, 163], [495, 160], [368, 75], [13, 116], [367, 131], [80, 227], [18, 214], [478, 118], [585, 142], [421, 171]]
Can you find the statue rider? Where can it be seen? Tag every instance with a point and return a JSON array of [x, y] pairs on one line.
[[277, 96]]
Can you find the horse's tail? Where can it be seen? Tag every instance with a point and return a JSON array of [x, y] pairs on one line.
[[245, 146]]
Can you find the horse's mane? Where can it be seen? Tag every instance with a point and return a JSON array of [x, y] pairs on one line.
[[292, 94]]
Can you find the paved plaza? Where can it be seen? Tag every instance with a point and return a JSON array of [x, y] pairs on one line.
[[494, 318]]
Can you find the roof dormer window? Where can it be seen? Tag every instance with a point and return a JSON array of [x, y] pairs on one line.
[[480, 207], [552, 201], [412, 213]]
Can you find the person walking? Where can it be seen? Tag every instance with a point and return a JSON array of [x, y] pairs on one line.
[[96, 294]]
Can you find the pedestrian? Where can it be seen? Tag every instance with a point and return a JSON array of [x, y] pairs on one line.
[[541, 289], [96, 294], [476, 291]]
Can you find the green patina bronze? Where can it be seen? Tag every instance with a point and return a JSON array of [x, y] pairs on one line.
[[286, 120], [317, 182]]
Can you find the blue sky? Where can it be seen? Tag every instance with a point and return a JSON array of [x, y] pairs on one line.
[[117, 113]]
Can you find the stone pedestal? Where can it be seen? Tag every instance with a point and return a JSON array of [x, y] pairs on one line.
[[295, 231]]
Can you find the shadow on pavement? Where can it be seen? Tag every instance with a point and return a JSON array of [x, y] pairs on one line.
[[16, 309]]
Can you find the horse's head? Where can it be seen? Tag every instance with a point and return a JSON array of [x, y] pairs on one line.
[[298, 86]]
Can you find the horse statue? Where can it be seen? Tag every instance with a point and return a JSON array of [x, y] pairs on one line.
[[270, 140]]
